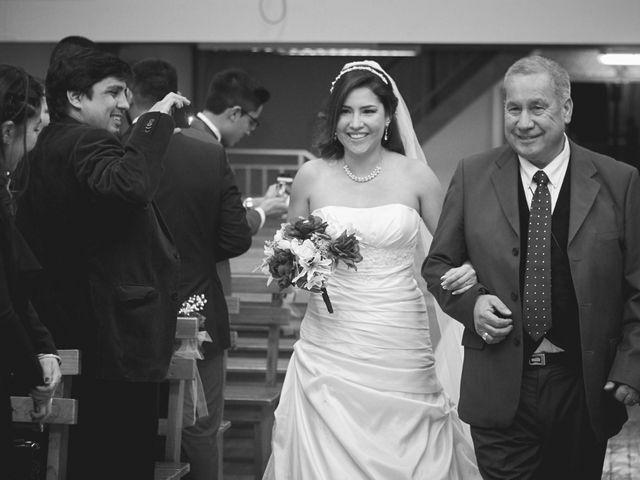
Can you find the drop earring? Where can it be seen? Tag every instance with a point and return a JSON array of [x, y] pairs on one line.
[[386, 132]]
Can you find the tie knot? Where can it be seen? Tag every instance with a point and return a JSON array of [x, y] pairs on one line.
[[541, 178]]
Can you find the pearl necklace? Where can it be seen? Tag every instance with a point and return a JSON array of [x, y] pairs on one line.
[[367, 178]]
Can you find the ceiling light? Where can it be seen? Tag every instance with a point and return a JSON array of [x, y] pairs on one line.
[[348, 52], [621, 59]]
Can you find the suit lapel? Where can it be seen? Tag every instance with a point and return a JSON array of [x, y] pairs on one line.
[[583, 189], [504, 179]]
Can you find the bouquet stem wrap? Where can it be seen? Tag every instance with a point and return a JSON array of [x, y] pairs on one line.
[[327, 300]]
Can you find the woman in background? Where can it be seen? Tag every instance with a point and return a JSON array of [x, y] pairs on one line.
[[361, 398], [28, 355]]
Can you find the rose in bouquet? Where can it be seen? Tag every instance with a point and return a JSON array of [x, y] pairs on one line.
[[306, 252]]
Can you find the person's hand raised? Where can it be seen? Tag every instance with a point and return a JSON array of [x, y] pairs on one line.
[[169, 102], [273, 203]]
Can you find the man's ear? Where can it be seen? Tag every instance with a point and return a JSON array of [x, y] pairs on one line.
[[567, 110], [233, 113], [7, 130], [75, 98]]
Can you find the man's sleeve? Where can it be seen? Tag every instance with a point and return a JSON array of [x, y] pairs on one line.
[[626, 364], [448, 250], [255, 220], [131, 172], [234, 233]]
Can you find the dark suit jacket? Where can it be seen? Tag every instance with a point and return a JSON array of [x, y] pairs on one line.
[[480, 222], [201, 204], [22, 334], [111, 269], [253, 218]]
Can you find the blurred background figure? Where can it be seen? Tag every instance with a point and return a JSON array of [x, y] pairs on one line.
[[201, 204], [232, 110], [70, 45]]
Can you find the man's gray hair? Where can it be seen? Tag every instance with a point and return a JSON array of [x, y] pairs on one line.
[[538, 64]]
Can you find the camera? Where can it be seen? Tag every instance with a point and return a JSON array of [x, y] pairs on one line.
[[283, 185], [182, 117]]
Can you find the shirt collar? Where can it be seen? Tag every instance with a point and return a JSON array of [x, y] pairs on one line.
[[555, 169], [210, 126]]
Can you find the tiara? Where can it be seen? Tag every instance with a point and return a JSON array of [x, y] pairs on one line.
[[350, 67]]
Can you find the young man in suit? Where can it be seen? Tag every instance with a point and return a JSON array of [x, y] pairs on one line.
[[200, 202], [111, 269], [232, 109], [552, 329]]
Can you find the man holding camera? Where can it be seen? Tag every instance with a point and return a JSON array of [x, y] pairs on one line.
[[110, 266], [233, 106]]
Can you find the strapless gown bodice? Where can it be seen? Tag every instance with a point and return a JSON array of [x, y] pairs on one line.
[[361, 398]]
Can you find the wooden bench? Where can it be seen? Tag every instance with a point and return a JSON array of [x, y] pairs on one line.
[[180, 374], [182, 371], [65, 411], [256, 306]]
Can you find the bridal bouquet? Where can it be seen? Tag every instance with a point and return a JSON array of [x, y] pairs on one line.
[[305, 253]]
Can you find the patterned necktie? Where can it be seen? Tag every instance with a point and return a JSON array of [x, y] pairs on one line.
[[537, 283]]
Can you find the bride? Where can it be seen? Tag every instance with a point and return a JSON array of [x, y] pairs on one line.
[[361, 398]]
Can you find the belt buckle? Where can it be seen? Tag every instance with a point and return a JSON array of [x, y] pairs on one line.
[[537, 360]]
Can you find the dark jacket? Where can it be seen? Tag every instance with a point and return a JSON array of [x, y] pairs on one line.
[[23, 335], [480, 222], [252, 216], [201, 204], [111, 269]]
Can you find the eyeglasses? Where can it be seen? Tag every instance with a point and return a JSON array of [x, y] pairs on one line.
[[253, 121]]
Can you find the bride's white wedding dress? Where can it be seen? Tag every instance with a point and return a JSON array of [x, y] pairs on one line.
[[361, 399]]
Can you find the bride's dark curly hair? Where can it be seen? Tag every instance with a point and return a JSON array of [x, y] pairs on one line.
[[325, 143]]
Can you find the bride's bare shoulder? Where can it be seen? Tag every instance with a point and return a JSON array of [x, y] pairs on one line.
[[315, 168], [413, 168]]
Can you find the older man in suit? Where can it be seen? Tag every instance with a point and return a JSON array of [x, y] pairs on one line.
[[201, 204], [111, 269], [552, 329], [233, 106]]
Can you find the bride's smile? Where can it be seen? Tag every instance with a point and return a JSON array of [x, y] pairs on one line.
[[362, 122]]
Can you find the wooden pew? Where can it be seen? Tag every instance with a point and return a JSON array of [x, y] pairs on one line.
[[65, 411], [181, 372], [256, 306]]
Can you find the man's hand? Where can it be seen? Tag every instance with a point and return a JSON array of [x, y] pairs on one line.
[[169, 102], [623, 393], [492, 319], [459, 279], [272, 203]]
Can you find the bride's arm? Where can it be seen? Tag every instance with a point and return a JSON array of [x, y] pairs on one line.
[[458, 279], [299, 205], [430, 194]]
